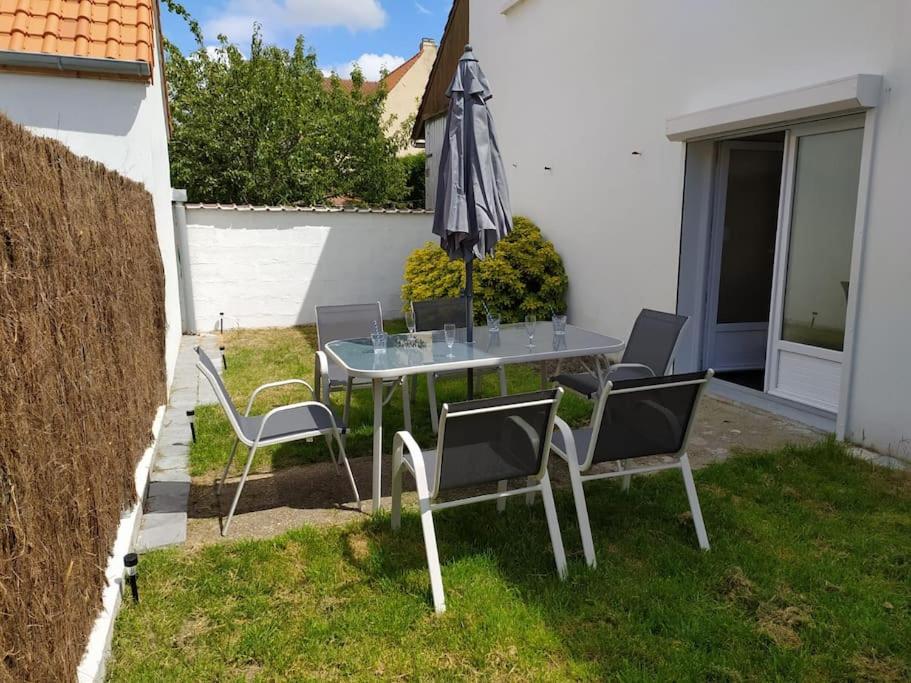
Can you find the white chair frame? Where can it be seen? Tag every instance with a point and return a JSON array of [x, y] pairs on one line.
[[252, 445], [406, 454], [578, 476]]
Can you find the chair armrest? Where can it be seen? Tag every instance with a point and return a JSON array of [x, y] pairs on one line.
[[569, 441], [402, 441], [646, 370], [321, 375], [292, 406], [272, 385]]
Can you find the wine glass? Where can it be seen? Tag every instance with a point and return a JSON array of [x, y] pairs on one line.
[[449, 330], [409, 321], [530, 323]]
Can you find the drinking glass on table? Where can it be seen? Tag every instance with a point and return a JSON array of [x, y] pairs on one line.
[[559, 322], [493, 323], [530, 324], [379, 340], [409, 321], [449, 330]]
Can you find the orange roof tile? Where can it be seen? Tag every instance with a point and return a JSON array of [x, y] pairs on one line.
[[112, 29]]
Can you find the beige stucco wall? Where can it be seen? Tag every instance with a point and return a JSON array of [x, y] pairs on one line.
[[404, 98]]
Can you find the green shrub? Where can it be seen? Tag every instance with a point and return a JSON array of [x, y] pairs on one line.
[[524, 276]]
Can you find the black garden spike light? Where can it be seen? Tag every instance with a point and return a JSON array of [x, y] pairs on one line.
[[130, 560], [224, 358], [191, 417], [221, 323]]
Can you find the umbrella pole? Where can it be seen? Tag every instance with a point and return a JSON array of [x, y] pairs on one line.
[[469, 310]]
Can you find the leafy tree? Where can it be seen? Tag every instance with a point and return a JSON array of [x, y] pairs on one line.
[[414, 166], [270, 129]]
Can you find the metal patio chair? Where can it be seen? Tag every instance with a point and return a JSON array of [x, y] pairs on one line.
[[349, 321], [632, 419], [432, 314], [649, 353], [293, 422], [480, 442]]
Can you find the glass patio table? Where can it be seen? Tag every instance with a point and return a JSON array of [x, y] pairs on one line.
[[425, 352]]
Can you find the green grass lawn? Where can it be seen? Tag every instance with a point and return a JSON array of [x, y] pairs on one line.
[[809, 578], [259, 356]]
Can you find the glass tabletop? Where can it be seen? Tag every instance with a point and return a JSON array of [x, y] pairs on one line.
[[423, 352]]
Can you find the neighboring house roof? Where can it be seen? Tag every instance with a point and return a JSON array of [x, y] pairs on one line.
[[90, 30], [392, 78], [455, 37]]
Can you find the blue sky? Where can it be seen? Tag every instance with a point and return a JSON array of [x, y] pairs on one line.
[[373, 33]]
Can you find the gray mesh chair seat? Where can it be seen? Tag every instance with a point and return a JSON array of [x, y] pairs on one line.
[[433, 314], [294, 422], [289, 424], [480, 442], [347, 321], [649, 353], [634, 419]]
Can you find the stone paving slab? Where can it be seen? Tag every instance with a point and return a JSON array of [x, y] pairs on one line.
[[164, 519]]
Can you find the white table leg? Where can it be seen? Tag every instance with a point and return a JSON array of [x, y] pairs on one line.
[[377, 442], [406, 402]]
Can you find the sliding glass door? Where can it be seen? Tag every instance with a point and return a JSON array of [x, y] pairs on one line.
[[815, 242]]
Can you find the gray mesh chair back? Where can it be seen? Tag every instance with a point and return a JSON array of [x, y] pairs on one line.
[[649, 416], [493, 439], [347, 321], [432, 314], [653, 339], [219, 386]]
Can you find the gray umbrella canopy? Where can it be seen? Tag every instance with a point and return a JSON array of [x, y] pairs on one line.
[[472, 210]]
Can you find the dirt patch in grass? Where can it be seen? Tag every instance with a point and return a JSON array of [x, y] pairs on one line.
[[738, 589], [871, 666], [783, 617]]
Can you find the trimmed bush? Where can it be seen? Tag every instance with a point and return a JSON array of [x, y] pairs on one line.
[[524, 276]]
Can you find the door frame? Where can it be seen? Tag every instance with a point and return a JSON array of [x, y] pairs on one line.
[[716, 243], [775, 344]]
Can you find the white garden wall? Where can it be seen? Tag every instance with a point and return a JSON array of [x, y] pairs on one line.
[[269, 267]]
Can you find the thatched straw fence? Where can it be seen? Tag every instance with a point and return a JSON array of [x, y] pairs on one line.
[[82, 334]]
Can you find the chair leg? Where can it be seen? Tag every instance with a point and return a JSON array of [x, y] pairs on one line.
[[240, 487], [344, 458], [626, 480], [694, 501], [501, 371], [224, 474], [502, 487], [332, 451], [430, 545], [585, 530], [530, 496], [553, 526], [432, 400]]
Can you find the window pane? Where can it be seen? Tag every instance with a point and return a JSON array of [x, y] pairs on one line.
[[822, 235]]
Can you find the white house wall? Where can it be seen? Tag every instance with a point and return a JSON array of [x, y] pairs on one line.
[[121, 124], [434, 130], [585, 89], [270, 268]]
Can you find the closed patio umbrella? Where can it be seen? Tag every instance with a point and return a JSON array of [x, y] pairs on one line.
[[472, 211]]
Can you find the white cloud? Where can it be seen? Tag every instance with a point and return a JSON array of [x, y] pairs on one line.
[[371, 65], [420, 8], [286, 17]]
